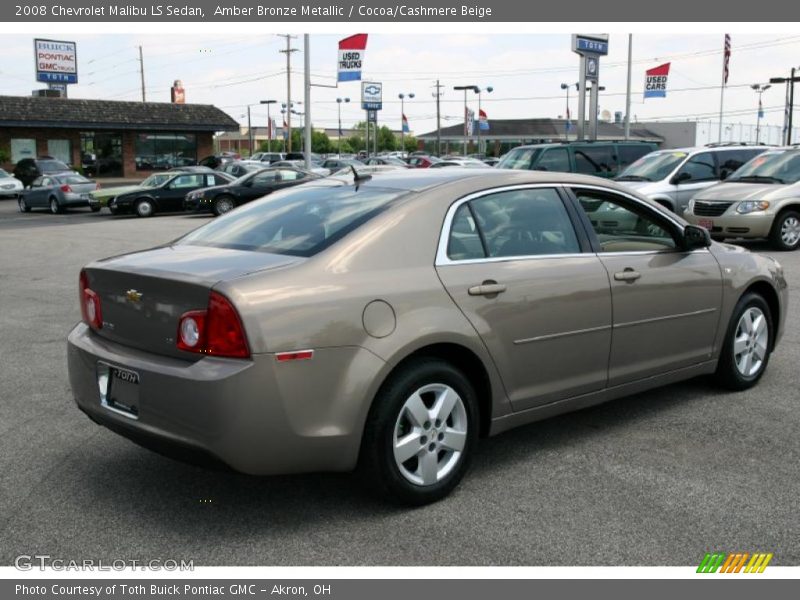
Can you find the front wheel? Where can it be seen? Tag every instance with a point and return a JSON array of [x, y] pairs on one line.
[[785, 234], [144, 208], [421, 433], [222, 205], [747, 345]]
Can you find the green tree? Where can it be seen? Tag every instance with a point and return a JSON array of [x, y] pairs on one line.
[[411, 144], [386, 139]]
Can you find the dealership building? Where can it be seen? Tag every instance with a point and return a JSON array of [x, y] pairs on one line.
[[110, 138]]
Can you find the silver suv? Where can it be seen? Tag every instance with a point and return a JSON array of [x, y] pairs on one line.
[[672, 177]]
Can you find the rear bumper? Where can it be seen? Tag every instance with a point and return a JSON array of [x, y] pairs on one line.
[[753, 225], [74, 200], [256, 416], [197, 205]]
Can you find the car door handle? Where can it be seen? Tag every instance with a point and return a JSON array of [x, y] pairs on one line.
[[628, 275], [487, 288]]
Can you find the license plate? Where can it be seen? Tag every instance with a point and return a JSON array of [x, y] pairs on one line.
[[706, 223], [119, 389]]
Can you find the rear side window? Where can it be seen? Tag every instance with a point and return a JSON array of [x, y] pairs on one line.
[[699, 167], [596, 160], [528, 222], [187, 181], [301, 221]]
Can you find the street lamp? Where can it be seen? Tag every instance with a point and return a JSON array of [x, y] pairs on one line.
[[403, 121], [339, 106], [464, 88], [269, 121], [759, 89]]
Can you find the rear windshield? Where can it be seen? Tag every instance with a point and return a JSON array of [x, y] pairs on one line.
[[50, 166], [299, 222], [75, 179]]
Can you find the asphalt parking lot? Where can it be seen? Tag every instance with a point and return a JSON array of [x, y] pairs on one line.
[[655, 479]]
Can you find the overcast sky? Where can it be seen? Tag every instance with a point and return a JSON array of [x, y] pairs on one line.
[[525, 71]]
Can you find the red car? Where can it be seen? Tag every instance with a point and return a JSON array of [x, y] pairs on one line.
[[422, 162]]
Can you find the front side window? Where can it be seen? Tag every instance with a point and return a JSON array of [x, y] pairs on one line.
[[621, 226], [699, 167], [527, 222]]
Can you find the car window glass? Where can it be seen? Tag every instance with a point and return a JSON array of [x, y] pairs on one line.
[[630, 153], [465, 241], [699, 167], [519, 158], [621, 226], [526, 222], [595, 160], [37, 182], [554, 159], [286, 175], [187, 181], [265, 178], [731, 160]]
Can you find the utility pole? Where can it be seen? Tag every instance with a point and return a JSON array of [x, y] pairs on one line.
[[787, 121], [438, 96], [249, 133], [141, 73], [288, 53], [307, 96]]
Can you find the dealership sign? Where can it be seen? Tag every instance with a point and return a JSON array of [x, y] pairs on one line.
[[351, 57], [655, 81], [371, 95], [56, 62]]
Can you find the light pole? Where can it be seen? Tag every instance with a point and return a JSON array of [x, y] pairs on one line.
[[464, 88], [403, 121], [489, 89], [339, 106], [269, 122], [759, 89], [565, 86], [787, 118]]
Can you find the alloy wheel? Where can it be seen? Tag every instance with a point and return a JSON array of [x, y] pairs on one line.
[[751, 341], [430, 434], [790, 231]]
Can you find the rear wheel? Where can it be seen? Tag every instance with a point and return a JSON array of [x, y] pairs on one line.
[[748, 344], [95, 208], [785, 234], [421, 433], [222, 205], [23, 206], [144, 208], [55, 207]]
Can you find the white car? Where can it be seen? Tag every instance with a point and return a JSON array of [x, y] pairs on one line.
[[10, 186]]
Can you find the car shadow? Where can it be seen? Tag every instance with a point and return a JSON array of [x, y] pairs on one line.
[[175, 495]]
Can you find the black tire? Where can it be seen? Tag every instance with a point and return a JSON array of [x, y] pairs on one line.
[[222, 205], [788, 218], [378, 467], [23, 206], [144, 208], [95, 208], [728, 374], [55, 207]]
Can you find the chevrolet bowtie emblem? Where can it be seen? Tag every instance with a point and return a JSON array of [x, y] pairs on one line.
[[133, 296]]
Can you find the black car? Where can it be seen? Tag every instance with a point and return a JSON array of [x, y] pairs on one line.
[[216, 161], [240, 168], [223, 198], [29, 169], [337, 164], [167, 196]]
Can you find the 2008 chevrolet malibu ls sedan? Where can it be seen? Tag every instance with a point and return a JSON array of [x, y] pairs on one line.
[[387, 323]]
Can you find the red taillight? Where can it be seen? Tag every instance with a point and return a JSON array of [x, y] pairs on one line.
[[90, 304], [66, 189], [217, 331]]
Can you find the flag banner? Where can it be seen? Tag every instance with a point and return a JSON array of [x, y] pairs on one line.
[[760, 109], [405, 124], [285, 129], [568, 124], [469, 122], [655, 81], [351, 57], [726, 59], [483, 120]]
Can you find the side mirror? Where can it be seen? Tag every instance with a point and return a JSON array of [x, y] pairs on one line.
[[696, 237], [680, 178]]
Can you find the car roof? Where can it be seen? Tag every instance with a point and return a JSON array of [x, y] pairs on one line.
[[419, 180], [581, 143]]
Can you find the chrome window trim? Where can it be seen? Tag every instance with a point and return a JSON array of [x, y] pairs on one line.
[[441, 251]]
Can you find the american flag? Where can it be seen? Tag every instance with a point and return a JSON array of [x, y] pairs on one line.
[[726, 59]]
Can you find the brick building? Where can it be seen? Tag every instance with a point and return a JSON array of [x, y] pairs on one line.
[[109, 138]]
